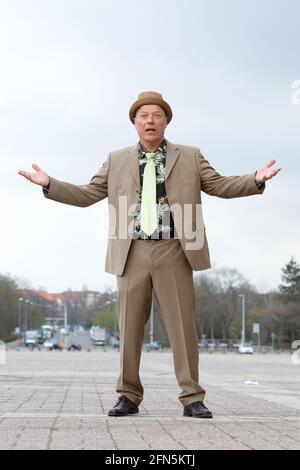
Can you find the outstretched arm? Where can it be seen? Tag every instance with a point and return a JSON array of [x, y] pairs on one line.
[[218, 185], [67, 193]]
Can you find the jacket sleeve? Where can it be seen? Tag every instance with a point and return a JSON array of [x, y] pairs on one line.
[[215, 184], [80, 195]]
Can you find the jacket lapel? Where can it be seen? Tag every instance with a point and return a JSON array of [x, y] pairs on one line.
[[172, 155], [133, 164], [133, 161]]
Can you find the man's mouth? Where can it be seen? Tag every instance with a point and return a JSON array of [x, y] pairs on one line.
[[150, 130]]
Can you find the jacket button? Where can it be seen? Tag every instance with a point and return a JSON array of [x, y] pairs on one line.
[[137, 191]]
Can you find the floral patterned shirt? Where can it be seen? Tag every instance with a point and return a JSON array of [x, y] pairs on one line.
[[165, 223]]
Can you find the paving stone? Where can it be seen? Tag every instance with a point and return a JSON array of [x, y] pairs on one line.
[[52, 400]]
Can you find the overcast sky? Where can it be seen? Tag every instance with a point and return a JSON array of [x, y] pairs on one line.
[[69, 72]]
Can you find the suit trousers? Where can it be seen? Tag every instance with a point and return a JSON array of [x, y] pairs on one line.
[[162, 266]]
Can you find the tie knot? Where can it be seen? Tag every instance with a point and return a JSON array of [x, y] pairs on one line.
[[151, 155]]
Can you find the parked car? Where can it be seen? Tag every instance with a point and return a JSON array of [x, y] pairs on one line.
[[52, 344], [98, 336], [246, 348], [155, 346], [74, 347], [31, 338], [48, 344]]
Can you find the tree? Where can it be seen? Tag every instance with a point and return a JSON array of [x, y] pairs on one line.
[[8, 307], [207, 301], [104, 319], [217, 302], [290, 287]]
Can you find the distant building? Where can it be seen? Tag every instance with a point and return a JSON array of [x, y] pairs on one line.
[[86, 298]]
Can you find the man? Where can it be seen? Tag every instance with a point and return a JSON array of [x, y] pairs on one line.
[[156, 239]]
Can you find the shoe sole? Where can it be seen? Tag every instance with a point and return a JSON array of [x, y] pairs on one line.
[[115, 413], [198, 416]]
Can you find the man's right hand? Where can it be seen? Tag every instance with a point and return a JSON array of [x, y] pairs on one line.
[[39, 177]]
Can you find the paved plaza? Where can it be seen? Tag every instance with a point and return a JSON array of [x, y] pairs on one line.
[[60, 400]]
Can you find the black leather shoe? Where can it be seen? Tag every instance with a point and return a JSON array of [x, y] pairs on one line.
[[197, 410], [123, 407]]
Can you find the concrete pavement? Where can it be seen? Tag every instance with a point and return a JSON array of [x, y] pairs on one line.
[[60, 400]]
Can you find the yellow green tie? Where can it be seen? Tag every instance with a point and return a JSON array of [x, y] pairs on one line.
[[148, 205]]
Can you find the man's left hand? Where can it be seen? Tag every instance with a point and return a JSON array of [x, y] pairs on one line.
[[266, 172]]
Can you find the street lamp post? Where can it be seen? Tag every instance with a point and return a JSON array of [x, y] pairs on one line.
[[273, 336], [19, 314], [30, 315], [115, 322], [65, 325], [27, 301], [243, 318]]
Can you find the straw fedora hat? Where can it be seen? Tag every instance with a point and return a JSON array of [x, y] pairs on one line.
[[150, 97]]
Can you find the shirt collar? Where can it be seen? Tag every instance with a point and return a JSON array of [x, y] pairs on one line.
[[162, 148]]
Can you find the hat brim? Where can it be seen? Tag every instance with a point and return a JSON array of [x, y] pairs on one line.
[[137, 104]]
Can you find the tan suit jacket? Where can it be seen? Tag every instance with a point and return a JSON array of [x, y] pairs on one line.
[[187, 174]]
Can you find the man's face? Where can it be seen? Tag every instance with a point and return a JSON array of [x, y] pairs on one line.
[[150, 122]]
